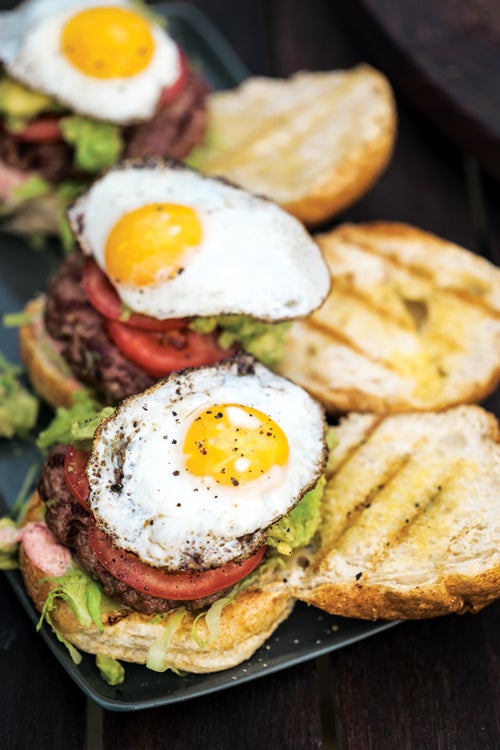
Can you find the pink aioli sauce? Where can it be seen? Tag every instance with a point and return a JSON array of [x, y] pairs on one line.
[[44, 551]]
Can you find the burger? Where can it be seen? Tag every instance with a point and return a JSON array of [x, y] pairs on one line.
[[173, 269], [83, 83], [164, 540]]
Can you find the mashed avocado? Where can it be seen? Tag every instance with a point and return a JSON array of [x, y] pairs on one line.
[[18, 407], [264, 340], [97, 144], [298, 527]]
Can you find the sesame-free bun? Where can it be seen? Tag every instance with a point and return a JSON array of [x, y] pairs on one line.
[[411, 517], [314, 142], [412, 323], [49, 375], [245, 624]]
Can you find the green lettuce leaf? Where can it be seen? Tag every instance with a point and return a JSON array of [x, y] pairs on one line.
[[75, 425], [84, 597], [156, 659]]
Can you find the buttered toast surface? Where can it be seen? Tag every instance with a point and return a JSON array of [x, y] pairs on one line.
[[412, 323], [411, 517]]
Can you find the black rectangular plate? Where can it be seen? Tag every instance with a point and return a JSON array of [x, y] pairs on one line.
[[308, 633]]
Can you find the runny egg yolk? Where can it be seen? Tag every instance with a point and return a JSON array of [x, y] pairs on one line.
[[107, 42], [148, 244], [234, 444]]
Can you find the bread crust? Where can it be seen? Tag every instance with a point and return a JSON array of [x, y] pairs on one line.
[[54, 385], [245, 624]]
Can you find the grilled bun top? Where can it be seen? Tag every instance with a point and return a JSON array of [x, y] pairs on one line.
[[412, 322], [411, 517], [314, 142]]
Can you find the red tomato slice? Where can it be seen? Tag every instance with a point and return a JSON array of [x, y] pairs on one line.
[[75, 462], [43, 129], [158, 354], [170, 93], [149, 580], [103, 297]]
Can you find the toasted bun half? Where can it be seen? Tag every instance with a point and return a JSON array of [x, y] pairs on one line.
[[49, 375], [314, 143], [412, 323], [411, 517], [245, 624]]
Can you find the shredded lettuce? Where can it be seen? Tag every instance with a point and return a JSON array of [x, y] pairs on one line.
[[211, 617], [265, 341], [157, 654], [18, 407], [97, 144], [17, 319], [111, 670], [85, 598], [75, 425]]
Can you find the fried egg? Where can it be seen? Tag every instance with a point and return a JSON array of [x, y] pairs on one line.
[[190, 473], [99, 58], [175, 243]]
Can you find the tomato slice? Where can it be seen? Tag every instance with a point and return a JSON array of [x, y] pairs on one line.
[[128, 568], [159, 353], [41, 130], [103, 297], [75, 462], [170, 93]]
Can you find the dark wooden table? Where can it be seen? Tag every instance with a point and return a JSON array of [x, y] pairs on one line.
[[427, 684]]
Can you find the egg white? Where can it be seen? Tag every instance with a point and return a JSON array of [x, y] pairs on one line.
[[171, 518], [254, 259], [30, 52]]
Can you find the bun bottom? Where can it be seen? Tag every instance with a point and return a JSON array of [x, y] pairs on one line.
[[245, 624], [38, 352]]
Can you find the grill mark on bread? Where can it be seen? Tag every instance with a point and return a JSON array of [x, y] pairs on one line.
[[432, 281], [475, 296], [436, 344], [399, 496], [411, 322], [268, 129]]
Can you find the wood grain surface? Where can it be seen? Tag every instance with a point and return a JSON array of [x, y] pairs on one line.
[[444, 58]]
